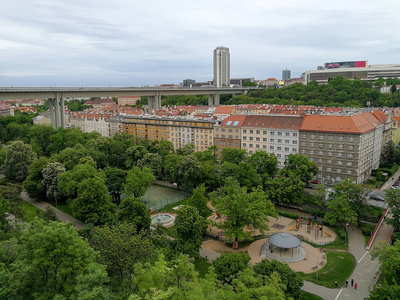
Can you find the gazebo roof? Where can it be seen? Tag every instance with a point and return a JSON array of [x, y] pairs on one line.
[[284, 240]]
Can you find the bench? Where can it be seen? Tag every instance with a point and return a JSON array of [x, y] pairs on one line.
[[314, 268]]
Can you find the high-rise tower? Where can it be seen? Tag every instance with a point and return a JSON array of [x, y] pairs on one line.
[[222, 68], [285, 75]]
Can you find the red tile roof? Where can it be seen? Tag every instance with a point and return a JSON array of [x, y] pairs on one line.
[[231, 120], [356, 124]]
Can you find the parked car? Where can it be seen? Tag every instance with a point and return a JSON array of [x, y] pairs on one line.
[[376, 197], [315, 181]]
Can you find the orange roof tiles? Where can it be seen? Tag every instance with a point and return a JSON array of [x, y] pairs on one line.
[[231, 120], [356, 124], [223, 110]]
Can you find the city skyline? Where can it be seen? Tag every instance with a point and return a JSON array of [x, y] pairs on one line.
[[134, 43]]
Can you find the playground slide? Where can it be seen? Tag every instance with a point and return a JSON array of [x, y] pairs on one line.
[[292, 227], [323, 231]]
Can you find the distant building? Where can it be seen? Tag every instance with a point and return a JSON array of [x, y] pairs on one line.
[[240, 81], [352, 70], [99, 103], [269, 82], [128, 100], [188, 82], [286, 75], [221, 67]]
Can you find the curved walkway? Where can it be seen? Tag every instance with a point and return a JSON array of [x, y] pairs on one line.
[[60, 215]]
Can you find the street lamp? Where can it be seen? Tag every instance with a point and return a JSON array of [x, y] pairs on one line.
[[345, 236], [317, 268]]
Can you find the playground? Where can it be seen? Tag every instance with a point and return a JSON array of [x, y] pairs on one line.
[[305, 229]]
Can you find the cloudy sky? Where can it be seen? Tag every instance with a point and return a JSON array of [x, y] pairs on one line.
[[135, 43]]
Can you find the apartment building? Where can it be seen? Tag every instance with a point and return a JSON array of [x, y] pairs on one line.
[[228, 134], [179, 131], [284, 136], [341, 146], [255, 133], [89, 122]]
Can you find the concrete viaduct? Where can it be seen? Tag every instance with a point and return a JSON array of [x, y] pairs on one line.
[[57, 95]]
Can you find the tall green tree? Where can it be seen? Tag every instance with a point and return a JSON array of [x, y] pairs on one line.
[[19, 156], [286, 190], [50, 180], [340, 212], [115, 179], [291, 280], [93, 204], [34, 182], [241, 209], [233, 155], [301, 166], [393, 200], [199, 201], [138, 181], [190, 227], [229, 265], [265, 164], [121, 248], [41, 134], [152, 161], [132, 210], [243, 172], [49, 261], [388, 153]]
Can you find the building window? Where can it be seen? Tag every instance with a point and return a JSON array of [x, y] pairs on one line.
[[294, 134], [287, 133], [338, 170], [294, 150], [329, 153], [257, 131], [272, 140], [278, 156], [264, 146], [351, 147], [258, 139], [341, 138], [264, 139], [244, 131], [303, 136], [271, 147], [230, 144], [329, 169], [320, 160], [321, 137], [351, 139], [348, 172], [320, 152], [244, 138], [287, 141], [279, 148], [330, 137], [279, 141], [222, 143], [312, 144], [350, 155], [251, 138], [303, 143], [339, 162], [279, 133], [349, 163], [272, 133], [286, 148], [311, 158], [312, 152], [251, 145], [257, 146], [244, 144], [303, 151], [264, 132], [312, 136], [294, 142], [251, 131]]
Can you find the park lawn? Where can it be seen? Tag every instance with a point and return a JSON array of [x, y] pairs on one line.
[[201, 265], [30, 212], [339, 267], [308, 296], [170, 231], [64, 207]]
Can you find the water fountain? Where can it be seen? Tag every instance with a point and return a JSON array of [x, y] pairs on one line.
[[164, 219]]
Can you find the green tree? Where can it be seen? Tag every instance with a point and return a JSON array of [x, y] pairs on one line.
[[356, 195], [340, 212], [385, 291], [286, 190], [49, 262], [393, 200], [300, 166], [389, 258], [265, 164], [199, 201], [34, 182], [388, 153], [188, 149], [19, 157], [115, 179], [50, 180], [190, 227], [93, 204], [69, 181], [132, 210], [41, 134], [71, 156], [138, 181], [228, 265], [64, 138], [241, 209], [243, 172], [233, 155], [291, 281], [183, 170], [121, 248], [152, 161]]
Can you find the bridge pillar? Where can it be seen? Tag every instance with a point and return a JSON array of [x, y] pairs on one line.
[[213, 99], [52, 115], [154, 102], [57, 113]]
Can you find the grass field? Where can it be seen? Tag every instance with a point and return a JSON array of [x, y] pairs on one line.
[[339, 267], [29, 211]]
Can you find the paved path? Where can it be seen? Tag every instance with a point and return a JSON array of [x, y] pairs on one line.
[[60, 215]]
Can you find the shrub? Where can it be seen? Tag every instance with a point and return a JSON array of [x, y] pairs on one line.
[[288, 214]]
